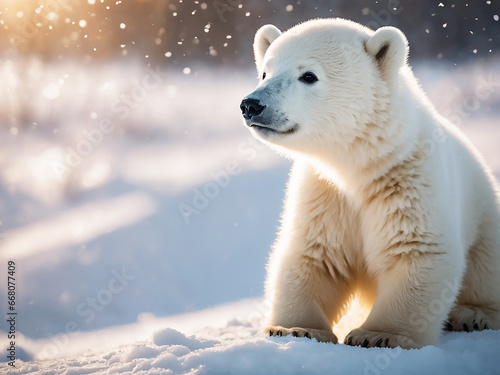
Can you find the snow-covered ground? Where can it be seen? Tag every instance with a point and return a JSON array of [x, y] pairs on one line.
[[226, 340], [140, 212]]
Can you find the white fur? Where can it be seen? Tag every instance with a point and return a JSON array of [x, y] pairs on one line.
[[386, 198], [263, 39]]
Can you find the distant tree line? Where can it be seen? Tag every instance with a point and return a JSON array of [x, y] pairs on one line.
[[181, 32]]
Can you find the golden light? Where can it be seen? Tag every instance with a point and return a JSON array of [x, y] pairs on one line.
[[355, 316]]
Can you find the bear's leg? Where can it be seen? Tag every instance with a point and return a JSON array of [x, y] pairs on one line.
[[478, 304], [415, 295], [307, 296]]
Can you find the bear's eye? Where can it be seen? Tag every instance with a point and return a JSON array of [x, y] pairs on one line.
[[308, 77], [264, 76]]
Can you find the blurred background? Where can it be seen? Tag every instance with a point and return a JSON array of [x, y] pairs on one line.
[[218, 32], [129, 187]]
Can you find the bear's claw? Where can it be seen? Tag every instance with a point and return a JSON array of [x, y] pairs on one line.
[[372, 339], [468, 319], [320, 335]]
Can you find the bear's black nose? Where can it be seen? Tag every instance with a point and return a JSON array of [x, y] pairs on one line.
[[251, 108]]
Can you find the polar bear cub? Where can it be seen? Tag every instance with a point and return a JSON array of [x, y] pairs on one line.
[[386, 198]]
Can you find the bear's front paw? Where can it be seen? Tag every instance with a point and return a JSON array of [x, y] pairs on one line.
[[373, 339], [468, 319], [320, 335]]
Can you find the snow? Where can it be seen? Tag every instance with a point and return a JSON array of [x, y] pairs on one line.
[[238, 348], [148, 253]]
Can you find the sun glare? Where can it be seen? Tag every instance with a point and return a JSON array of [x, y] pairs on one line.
[[25, 19], [355, 316]]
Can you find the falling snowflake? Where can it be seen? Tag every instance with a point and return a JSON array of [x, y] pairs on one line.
[[51, 91]]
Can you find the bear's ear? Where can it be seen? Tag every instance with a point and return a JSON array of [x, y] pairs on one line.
[[263, 39], [389, 47]]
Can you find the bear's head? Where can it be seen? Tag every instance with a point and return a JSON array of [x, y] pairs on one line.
[[322, 83]]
